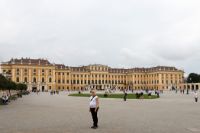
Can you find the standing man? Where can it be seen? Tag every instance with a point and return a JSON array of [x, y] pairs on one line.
[[125, 95], [196, 96], [94, 107], [187, 91]]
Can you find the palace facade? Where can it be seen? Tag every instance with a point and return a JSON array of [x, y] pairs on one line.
[[42, 75]]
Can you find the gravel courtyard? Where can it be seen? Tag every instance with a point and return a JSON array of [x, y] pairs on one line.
[[43, 113]]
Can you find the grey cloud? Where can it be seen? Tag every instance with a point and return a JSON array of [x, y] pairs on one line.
[[112, 32]]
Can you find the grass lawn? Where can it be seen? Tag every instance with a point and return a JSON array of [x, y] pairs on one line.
[[130, 96]]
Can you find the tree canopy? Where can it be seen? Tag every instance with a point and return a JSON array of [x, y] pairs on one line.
[[21, 86], [193, 78], [3, 82], [6, 84]]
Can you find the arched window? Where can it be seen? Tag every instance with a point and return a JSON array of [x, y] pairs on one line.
[[42, 80]]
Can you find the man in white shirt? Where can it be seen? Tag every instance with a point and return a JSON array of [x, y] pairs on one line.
[[94, 107], [196, 96]]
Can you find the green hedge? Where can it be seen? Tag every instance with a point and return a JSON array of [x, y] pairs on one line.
[[129, 96]]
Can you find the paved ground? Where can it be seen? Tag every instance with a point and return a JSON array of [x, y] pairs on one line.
[[42, 113]]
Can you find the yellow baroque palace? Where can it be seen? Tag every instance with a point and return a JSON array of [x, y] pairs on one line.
[[42, 75]]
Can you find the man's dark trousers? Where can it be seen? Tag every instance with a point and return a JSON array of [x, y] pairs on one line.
[[94, 116], [196, 99]]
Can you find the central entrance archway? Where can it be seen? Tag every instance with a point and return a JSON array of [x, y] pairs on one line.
[[34, 89], [43, 88]]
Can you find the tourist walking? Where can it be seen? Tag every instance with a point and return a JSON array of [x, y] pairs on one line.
[[187, 91], [125, 95], [149, 93], [196, 96], [176, 90], [94, 107], [158, 93]]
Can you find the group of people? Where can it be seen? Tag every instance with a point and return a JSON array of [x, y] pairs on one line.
[[94, 103], [187, 92], [140, 93], [53, 92]]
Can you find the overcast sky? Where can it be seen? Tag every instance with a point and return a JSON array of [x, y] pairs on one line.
[[118, 33]]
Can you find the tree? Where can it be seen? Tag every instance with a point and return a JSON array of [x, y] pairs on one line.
[[21, 86], [6, 84], [193, 78], [10, 86], [3, 82]]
